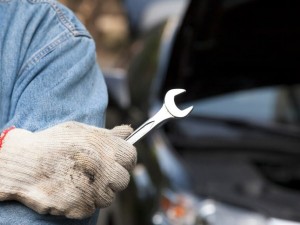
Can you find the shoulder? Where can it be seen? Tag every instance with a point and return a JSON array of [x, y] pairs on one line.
[[34, 28], [47, 12], [63, 16]]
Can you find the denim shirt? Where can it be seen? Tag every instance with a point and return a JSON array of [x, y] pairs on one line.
[[48, 75]]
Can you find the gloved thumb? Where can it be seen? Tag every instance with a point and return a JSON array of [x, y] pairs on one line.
[[122, 131]]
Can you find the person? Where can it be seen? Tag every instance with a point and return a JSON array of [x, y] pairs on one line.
[[58, 164]]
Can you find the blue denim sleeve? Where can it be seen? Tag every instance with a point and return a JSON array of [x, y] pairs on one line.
[[64, 85], [49, 74]]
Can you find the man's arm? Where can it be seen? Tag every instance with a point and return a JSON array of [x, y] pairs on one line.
[[58, 81]]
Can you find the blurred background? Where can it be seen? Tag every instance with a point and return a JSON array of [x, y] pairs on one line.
[[107, 22]]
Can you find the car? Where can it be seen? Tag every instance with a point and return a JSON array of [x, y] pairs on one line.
[[235, 160]]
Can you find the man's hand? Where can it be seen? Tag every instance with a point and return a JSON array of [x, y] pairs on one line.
[[69, 169]]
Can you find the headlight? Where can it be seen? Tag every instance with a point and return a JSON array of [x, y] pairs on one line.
[[186, 209]]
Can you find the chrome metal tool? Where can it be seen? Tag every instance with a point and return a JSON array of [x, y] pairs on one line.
[[168, 111]]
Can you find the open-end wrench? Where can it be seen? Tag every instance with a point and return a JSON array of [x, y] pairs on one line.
[[168, 111]]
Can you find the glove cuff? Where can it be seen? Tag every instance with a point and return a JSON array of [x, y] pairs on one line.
[[4, 133]]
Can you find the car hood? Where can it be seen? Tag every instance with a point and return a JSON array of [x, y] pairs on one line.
[[228, 45]]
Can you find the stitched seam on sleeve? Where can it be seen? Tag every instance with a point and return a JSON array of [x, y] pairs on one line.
[[62, 17], [36, 57]]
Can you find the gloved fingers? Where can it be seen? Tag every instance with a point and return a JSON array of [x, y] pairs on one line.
[[122, 131], [119, 178], [104, 198], [126, 155]]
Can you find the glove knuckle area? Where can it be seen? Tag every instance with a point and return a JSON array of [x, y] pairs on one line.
[[122, 131], [71, 125], [73, 129]]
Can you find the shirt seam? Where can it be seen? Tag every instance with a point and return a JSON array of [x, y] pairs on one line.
[[42, 52], [38, 56], [62, 17]]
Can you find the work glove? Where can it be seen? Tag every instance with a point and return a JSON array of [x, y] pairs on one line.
[[69, 169]]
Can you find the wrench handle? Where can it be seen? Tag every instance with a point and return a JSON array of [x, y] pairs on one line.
[[158, 119], [140, 132]]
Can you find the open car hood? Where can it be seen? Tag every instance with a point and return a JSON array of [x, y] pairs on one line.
[[228, 45]]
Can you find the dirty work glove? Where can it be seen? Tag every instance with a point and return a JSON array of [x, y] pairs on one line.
[[69, 169]]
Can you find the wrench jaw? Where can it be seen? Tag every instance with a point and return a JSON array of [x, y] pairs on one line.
[[186, 111], [171, 106]]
